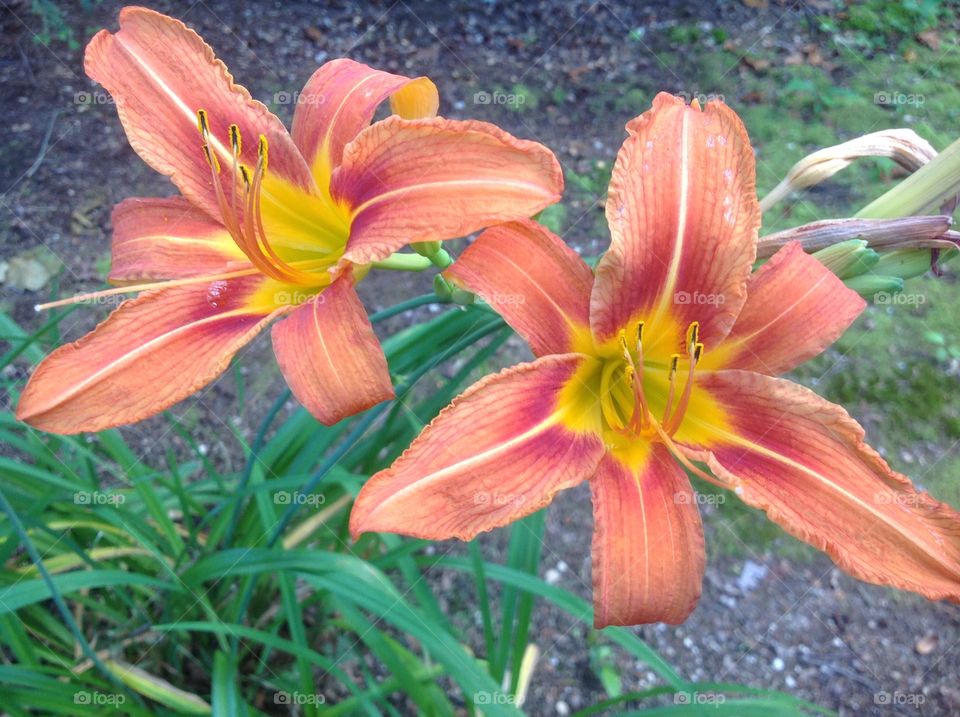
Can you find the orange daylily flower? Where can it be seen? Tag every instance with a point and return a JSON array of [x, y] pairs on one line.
[[269, 223], [665, 358]]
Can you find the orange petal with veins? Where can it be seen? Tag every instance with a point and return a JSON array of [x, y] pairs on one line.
[[152, 352], [433, 179], [684, 217], [539, 285], [340, 99], [330, 356], [168, 239], [804, 461], [795, 309], [648, 552], [499, 452], [160, 73]]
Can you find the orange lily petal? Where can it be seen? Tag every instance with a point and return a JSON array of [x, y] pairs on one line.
[[683, 218], [535, 281], [330, 356], [160, 73], [648, 554], [433, 179], [804, 461], [152, 352], [340, 99], [498, 452], [168, 239], [795, 309]]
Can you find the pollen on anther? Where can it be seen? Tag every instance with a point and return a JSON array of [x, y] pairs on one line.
[[202, 124], [693, 333], [211, 158], [697, 352], [674, 362], [262, 149], [236, 143]]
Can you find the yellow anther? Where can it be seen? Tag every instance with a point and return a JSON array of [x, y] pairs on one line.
[[639, 333], [674, 362], [245, 175], [629, 373], [624, 349], [693, 333], [211, 158], [262, 150], [697, 352], [236, 143], [202, 124]]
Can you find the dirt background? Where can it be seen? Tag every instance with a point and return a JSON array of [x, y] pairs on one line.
[[794, 624]]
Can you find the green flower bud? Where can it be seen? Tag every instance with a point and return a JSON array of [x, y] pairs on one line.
[[848, 259]]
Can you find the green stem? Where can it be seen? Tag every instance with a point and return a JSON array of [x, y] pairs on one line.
[[403, 262]]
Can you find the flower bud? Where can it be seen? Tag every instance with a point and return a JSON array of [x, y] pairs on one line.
[[849, 258]]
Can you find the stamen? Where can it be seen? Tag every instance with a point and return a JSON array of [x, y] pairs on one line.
[[235, 141], [694, 354], [674, 362], [202, 124], [262, 150], [686, 462], [248, 233]]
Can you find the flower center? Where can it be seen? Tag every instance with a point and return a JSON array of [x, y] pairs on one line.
[[241, 210], [641, 398]]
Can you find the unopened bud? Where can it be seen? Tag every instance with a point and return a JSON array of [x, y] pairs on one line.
[[870, 284], [849, 258]]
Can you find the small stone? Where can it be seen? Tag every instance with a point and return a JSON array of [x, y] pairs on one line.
[[777, 664], [562, 708], [927, 644], [552, 576]]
